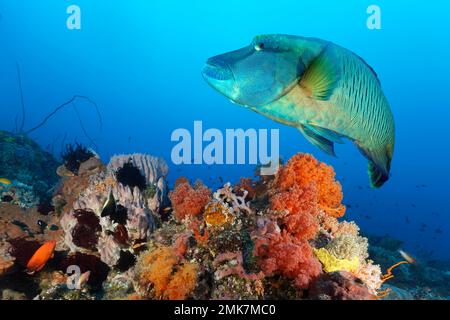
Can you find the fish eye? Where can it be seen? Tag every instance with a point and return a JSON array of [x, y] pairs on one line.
[[259, 46]]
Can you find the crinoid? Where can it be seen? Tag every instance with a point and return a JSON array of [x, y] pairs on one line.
[[74, 155], [130, 175]]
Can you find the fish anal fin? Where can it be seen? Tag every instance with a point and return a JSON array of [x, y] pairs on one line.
[[321, 76], [326, 133], [319, 141]]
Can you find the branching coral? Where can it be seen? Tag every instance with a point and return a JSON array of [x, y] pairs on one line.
[[303, 170], [188, 201], [159, 270]]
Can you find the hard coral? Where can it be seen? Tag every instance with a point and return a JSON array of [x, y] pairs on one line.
[[303, 170], [189, 201]]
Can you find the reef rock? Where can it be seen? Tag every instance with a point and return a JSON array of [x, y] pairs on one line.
[[340, 285], [28, 166], [116, 209]]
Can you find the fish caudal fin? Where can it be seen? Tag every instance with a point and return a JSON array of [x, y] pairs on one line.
[[379, 165], [377, 177]]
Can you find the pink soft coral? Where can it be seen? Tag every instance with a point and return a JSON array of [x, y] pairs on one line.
[[281, 253], [189, 201]]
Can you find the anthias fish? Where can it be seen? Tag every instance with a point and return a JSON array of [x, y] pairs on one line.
[[41, 256], [326, 91]]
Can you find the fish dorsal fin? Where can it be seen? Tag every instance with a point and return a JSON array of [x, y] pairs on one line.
[[318, 140], [322, 75]]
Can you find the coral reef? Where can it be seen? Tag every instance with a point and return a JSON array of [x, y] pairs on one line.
[[274, 237]]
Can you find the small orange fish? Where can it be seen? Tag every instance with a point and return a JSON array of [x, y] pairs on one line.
[[40, 257]]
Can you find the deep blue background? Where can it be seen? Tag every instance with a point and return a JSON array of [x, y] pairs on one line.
[[141, 61]]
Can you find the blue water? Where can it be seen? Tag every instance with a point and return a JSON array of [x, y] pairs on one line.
[[140, 61]]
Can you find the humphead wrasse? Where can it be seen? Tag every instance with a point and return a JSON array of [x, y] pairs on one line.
[[326, 91]]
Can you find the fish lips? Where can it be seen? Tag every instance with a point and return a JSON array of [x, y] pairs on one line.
[[218, 75]]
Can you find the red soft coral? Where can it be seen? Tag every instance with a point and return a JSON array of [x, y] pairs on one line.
[[302, 210], [281, 253], [304, 170], [189, 201]]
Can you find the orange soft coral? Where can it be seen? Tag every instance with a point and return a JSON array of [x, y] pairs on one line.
[[182, 282], [281, 253], [303, 170], [156, 268], [161, 269], [302, 210], [189, 201]]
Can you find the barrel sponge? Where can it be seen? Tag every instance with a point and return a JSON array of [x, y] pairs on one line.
[[303, 170]]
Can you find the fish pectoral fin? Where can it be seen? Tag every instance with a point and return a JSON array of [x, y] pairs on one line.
[[318, 140], [326, 133], [378, 167], [321, 76]]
